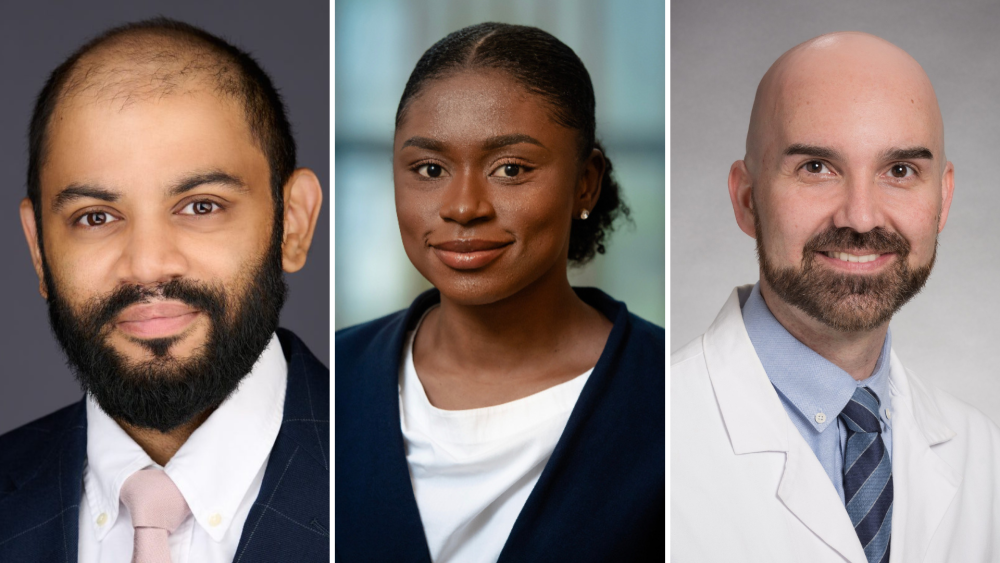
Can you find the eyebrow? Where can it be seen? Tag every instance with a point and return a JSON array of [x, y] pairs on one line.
[[812, 150], [74, 192], [81, 191], [423, 143], [214, 177], [494, 143], [491, 144], [911, 153]]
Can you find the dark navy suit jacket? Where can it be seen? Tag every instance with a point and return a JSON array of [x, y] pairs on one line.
[[600, 497], [41, 478]]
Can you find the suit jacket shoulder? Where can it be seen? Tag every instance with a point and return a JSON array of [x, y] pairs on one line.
[[41, 467], [20, 448]]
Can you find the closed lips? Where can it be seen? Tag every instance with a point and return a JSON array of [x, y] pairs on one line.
[[473, 245]]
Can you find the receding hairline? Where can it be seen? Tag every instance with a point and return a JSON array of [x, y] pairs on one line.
[[139, 63]]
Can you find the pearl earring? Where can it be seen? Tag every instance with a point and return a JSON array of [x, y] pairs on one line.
[[584, 214]]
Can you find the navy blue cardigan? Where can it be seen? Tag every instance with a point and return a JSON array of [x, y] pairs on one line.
[[600, 497], [41, 478]]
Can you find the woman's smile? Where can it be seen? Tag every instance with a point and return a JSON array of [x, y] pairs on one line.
[[469, 254]]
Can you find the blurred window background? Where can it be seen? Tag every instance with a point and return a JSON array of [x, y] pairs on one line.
[[378, 42]]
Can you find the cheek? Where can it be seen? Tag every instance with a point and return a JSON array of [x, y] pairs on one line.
[[415, 213], [785, 234], [918, 224], [79, 272], [789, 222]]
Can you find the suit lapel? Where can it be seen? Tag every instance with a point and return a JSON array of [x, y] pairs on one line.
[[924, 485], [40, 516], [291, 515], [757, 422]]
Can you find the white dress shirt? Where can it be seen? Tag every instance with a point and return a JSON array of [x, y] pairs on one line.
[[472, 470], [218, 470]]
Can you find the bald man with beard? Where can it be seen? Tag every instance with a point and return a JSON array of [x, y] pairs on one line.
[[797, 433]]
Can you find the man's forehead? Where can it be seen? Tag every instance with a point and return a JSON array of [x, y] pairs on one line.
[[150, 143], [852, 89]]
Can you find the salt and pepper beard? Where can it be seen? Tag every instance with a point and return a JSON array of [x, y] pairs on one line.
[[165, 392], [846, 302]]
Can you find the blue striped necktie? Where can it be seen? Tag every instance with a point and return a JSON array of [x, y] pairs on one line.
[[867, 475]]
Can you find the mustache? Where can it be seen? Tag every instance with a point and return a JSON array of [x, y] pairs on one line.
[[879, 240], [209, 299]]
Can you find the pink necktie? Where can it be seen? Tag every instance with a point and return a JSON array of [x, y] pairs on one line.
[[157, 509]]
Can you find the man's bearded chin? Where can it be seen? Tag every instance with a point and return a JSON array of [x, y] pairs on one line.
[[847, 302], [165, 392]]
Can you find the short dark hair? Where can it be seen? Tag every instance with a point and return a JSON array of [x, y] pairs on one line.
[[234, 73], [546, 67]]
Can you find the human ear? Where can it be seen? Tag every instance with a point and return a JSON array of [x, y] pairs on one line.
[[31, 233], [303, 200], [589, 187], [947, 190], [741, 194]]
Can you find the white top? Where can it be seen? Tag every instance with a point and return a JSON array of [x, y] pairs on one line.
[[218, 470], [472, 470]]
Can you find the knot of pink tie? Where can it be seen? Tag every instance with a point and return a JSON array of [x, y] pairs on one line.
[[157, 508]]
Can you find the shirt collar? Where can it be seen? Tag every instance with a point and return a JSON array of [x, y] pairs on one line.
[[215, 467], [810, 382]]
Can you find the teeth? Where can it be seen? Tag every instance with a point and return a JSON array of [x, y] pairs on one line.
[[846, 257]]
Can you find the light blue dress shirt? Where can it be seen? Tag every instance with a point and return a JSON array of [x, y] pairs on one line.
[[812, 389]]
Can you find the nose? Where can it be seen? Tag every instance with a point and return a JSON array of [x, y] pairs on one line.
[[466, 200], [860, 208], [151, 255]]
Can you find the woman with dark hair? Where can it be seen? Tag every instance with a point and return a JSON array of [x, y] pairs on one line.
[[505, 415]]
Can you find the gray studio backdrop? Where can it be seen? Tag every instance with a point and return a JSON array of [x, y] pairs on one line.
[[377, 44], [290, 39], [948, 334]]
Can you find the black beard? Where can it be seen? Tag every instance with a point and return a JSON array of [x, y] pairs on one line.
[[847, 302], [165, 392]]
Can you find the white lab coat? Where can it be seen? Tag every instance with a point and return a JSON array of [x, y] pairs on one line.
[[745, 486]]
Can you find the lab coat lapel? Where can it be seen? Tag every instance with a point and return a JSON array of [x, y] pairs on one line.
[[806, 490], [924, 485], [757, 422]]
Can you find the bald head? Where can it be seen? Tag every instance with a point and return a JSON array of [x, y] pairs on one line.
[[835, 83]]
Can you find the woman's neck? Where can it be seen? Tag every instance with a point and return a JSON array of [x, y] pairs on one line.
[[489, 354]]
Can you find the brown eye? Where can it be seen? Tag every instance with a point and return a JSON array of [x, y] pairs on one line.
[[509, 170], [96, 219], [200, 208], [430, 170], [899, 170], [814, 167]]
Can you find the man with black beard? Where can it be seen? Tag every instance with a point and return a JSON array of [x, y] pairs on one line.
[[163, 204], [797, 435]]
